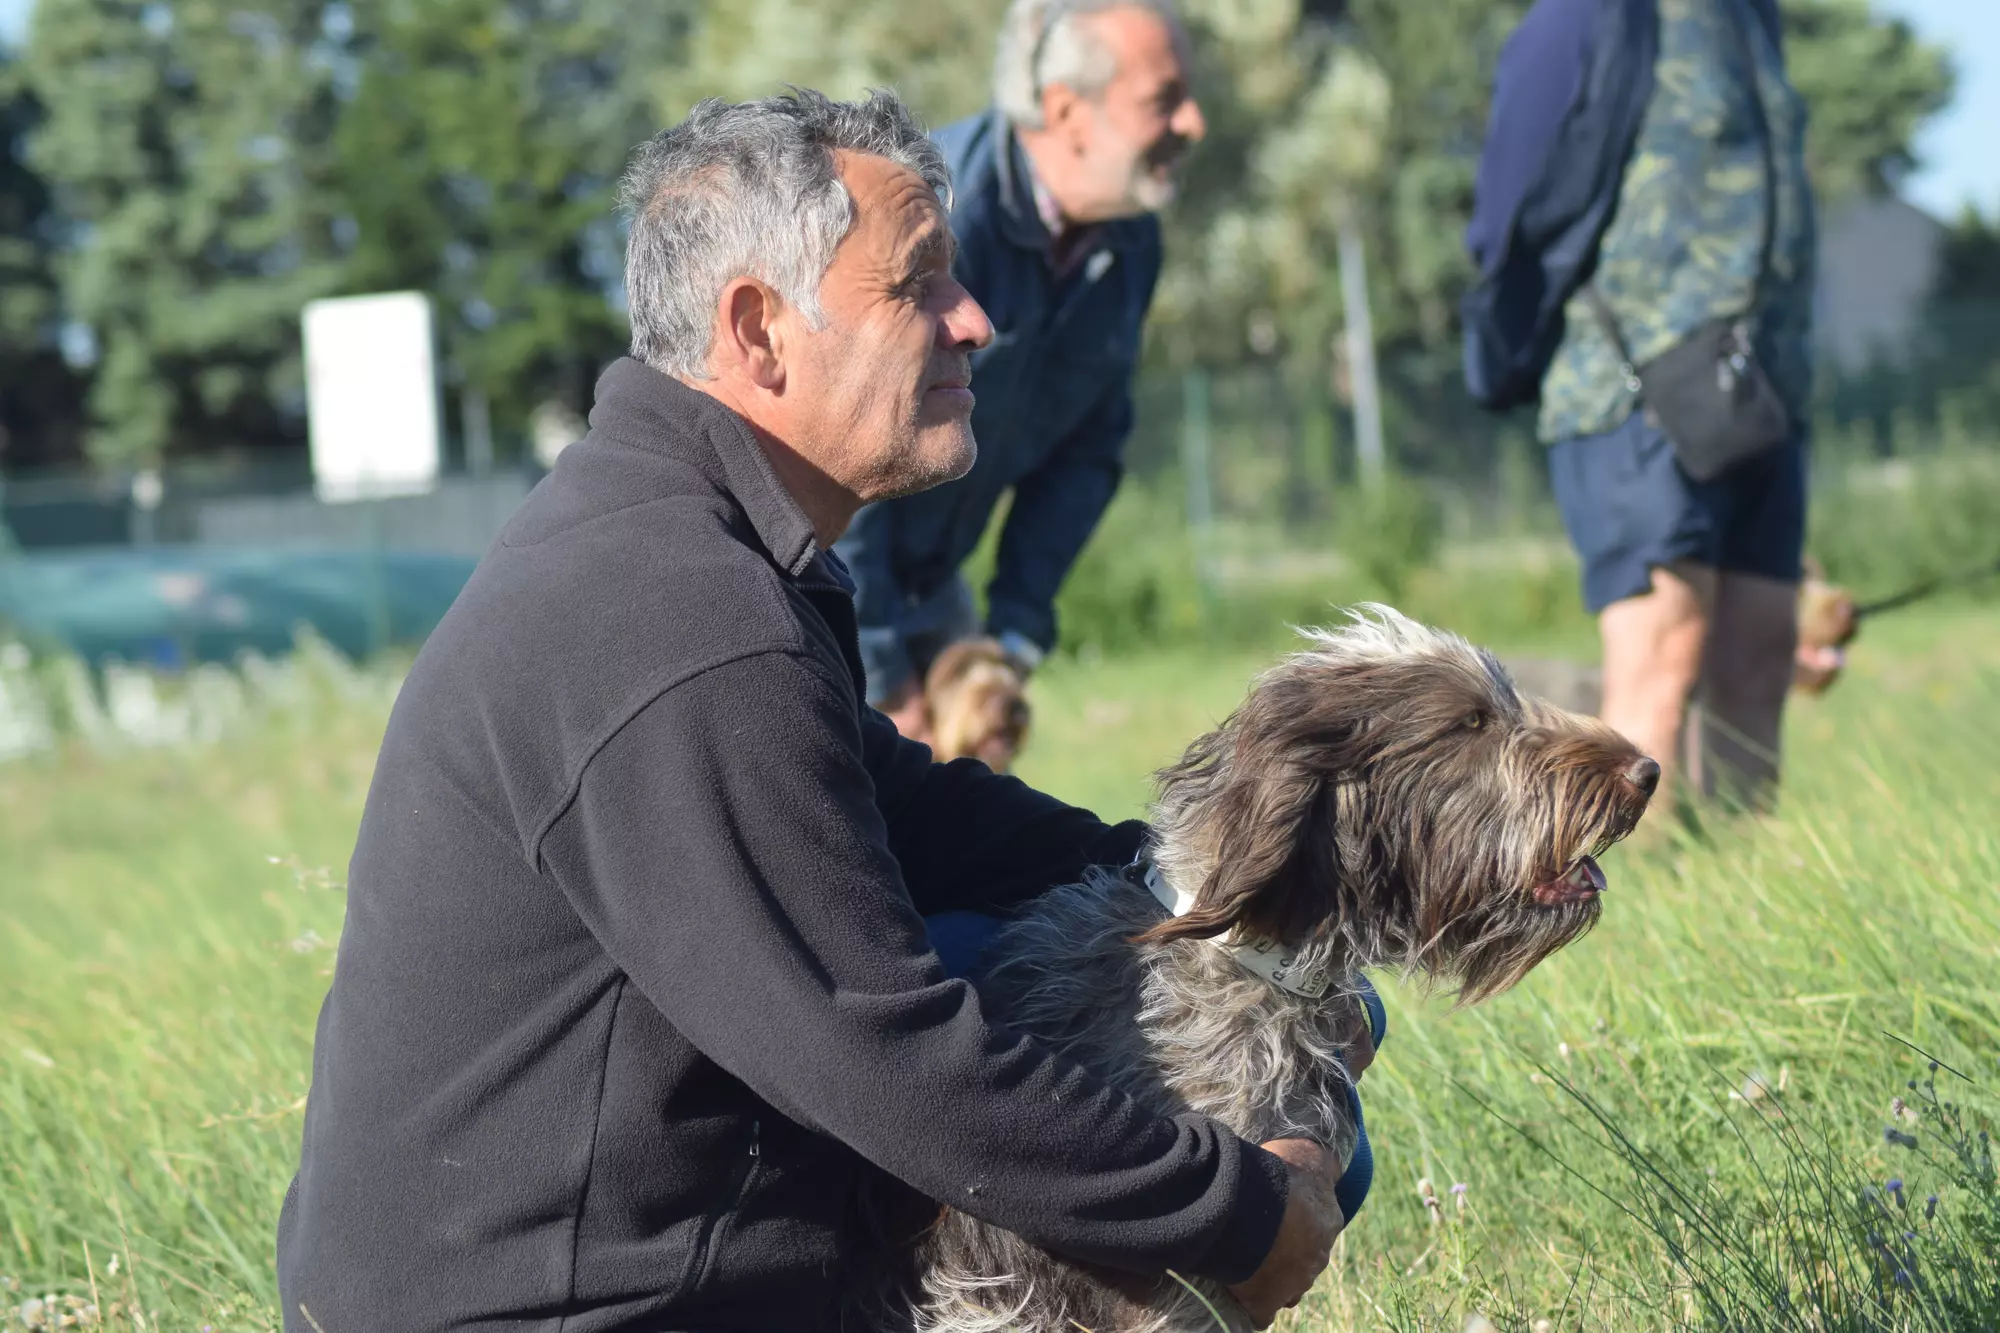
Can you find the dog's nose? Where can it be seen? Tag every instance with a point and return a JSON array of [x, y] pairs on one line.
[[1644, 774]]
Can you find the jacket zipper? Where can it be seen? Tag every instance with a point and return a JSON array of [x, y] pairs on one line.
[[739, 1189]]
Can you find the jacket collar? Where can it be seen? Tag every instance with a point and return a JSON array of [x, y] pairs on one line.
[[1020, 221], [640, 406]]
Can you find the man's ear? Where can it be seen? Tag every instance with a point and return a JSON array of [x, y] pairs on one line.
[[746, 334], [1066, 114]]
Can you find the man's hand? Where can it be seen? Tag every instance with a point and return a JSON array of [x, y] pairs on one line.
[[908, 709], [1305, 1237]]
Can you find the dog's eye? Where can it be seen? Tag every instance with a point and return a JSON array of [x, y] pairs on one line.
[[1473, 721]]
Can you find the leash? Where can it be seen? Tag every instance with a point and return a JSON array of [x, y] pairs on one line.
[[1917, 592]]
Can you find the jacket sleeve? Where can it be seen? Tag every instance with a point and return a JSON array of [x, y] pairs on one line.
[[866, 550], [1539, 79], [967, 837], [725, 848], [1054, 511]]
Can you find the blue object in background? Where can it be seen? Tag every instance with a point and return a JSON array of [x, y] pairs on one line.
[[176, 606]]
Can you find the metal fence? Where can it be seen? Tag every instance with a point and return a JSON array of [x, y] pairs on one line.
[[1263, 448], [1268, 448], [270, 505], [203, 565]]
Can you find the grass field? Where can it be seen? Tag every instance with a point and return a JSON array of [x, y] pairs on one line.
[[1670, 1124]]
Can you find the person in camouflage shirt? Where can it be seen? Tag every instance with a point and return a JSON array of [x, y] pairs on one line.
[[1694, 583]]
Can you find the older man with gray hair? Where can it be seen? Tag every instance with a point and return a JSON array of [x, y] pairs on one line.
[[1057, 187], [635, 996]]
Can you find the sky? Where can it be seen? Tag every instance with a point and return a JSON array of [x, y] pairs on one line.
[[1959, 162]]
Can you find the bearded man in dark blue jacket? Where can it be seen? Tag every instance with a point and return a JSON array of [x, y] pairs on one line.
[[1055, 192]]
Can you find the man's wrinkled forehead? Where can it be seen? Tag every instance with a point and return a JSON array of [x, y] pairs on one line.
[[897, 208]]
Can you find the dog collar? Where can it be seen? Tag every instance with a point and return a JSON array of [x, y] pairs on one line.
[[1267, 958]]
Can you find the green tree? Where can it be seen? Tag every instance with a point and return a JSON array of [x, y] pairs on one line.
[[1870, 84], [40, 396], [1957, 361], [936, 55], [479, 160], [188, 145]]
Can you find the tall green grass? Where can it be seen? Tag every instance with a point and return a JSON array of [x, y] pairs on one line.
[[1619, 1123], [1680, 1112]]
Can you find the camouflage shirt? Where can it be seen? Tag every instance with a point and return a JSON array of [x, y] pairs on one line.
[[1684, 246]]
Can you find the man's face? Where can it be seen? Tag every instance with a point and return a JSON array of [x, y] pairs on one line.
[[881, 396], [1137, 133]]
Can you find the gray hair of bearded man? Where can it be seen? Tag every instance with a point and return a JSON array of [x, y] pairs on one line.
[[749, 189], [1042, 43]]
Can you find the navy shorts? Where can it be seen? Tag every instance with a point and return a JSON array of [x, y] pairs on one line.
[[1629, 509], [962, 938]]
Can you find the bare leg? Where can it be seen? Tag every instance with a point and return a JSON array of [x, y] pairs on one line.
[[1753, 636], [1653, 650]]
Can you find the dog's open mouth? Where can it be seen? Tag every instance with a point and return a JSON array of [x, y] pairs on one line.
[[1583, 881]]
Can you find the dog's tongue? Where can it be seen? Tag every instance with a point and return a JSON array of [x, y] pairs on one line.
[[1583, 882]]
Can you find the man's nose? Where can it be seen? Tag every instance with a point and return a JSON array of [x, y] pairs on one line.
[[1188, 122], [965, 325]]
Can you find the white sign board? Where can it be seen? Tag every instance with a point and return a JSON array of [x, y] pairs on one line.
[[371, 395]]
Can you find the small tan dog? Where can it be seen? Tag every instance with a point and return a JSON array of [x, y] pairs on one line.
[[1828, 620], [976, 694]]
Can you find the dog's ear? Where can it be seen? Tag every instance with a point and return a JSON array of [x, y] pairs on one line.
[[958, 658], [1268, 785]]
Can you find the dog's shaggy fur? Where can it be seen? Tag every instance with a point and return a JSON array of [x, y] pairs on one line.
[[1383, 799]]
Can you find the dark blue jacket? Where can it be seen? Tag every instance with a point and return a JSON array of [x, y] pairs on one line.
[[1569, 92], [1054, 407]]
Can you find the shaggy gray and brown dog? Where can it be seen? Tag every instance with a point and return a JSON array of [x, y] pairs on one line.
[[1383, 799]]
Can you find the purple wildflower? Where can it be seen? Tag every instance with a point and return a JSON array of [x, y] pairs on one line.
[[1930, 1208]]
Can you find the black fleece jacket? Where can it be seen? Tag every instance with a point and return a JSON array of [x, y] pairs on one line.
[[634, 989]]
